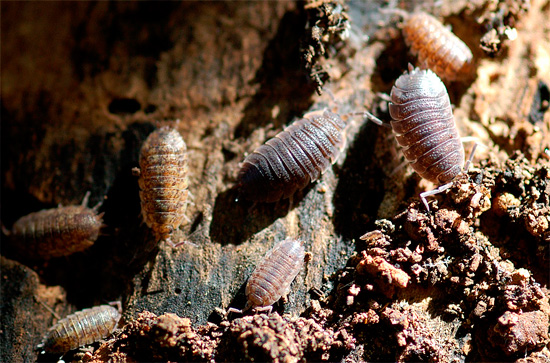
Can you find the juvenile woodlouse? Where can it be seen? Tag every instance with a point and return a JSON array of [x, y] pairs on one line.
[[163, 182], [292, 159], [57, 232], [273, 275], [437, 47], [81, 328]]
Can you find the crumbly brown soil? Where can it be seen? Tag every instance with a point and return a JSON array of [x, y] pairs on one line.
[[84, 83]]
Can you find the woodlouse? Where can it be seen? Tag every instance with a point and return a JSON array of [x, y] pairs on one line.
[[81, 328], [273, 275], [292, 159], [163, 182], [437, 47], [424, 127], [57, 232]]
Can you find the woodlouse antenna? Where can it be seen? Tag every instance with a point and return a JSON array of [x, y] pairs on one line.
[[47, 308]]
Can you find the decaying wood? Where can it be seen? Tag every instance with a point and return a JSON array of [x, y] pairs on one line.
[[81, 94]]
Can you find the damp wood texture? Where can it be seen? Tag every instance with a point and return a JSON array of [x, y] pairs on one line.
[[467, 281]]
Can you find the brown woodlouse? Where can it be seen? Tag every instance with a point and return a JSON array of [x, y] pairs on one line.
[[81, 328], [57, 232], [163, 182], [273, 275], [292, 159], [437, 47]]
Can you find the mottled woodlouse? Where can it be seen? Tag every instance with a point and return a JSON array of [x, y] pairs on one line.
[[57, 232], [81, 328], [163, 182], [437, 47], [292, 159], [424, 127], [273, 275]]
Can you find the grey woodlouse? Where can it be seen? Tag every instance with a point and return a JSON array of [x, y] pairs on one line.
[[437, 47], [81, 328], [424, 127], [273, 275], [163, 182], [292, 159], [57, 232]]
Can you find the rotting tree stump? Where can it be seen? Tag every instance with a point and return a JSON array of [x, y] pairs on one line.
[[83, 84]]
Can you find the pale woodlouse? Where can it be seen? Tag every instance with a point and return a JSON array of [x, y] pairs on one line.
[[163, 182], [292, 159], [81, 328], [437, 47], [273, 275], [57, 232]]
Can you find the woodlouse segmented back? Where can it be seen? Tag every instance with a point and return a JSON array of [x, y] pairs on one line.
[[272, 277], [163, 181], [292, 159], [81, 328], [57, 232], [424, 126], [437, 47]]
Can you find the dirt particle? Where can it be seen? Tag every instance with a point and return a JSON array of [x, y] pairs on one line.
[[518, 332]]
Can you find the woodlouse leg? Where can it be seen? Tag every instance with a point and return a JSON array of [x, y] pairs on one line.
[[264, 309], [234, 310], [177, 244], [437, 190]]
